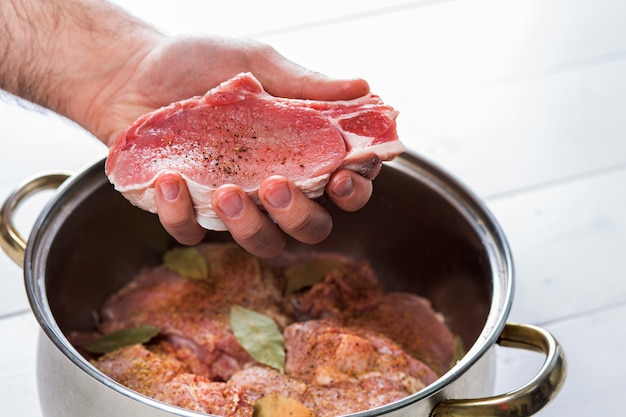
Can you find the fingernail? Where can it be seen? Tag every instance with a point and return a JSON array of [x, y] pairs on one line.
[[169, 190], [231, 204], [344, 187], [278, 195]]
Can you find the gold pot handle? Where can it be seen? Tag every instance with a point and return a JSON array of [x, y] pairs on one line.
[[524, 401], [11, 241]]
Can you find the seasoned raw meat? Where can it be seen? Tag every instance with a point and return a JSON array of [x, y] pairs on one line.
[[193, 314], [334, 370], [348, 289], [165, 378], [325, 353], [239, 134], [352, 295], [329, 368], [411, 322], [349, 345]]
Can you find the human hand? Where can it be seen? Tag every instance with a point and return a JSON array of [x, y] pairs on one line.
[[179, 68]]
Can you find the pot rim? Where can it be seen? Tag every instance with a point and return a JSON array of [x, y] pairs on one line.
[[455, 192]]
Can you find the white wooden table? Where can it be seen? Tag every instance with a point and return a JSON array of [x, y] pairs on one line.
[[523, 100]]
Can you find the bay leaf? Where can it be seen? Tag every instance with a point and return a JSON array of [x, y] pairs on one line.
[[309, 273], [187, 262], [259, 335], [278, 405], [122, 338]]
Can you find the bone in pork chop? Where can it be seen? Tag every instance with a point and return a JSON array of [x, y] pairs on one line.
[[239, 134]]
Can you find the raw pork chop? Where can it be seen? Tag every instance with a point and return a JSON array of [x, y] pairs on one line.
[[193, 313], [330, 369], [239, 134], [351, 295], [349, 345]]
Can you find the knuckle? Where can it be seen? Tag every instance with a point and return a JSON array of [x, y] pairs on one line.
[[259, 51], [177, 219], [260, 240], [249, 232], [308, 227], [295, 222]]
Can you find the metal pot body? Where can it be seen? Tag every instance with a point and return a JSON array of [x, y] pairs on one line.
[[422, 231]]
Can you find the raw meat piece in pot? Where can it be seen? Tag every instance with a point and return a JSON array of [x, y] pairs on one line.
[[193, 314], [352, 295], [347, 288], [341, 398], [158, 373], [325, 353], [161, 376], [411, 322]]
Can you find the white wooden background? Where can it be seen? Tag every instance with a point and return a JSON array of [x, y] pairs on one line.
[[523, 100]]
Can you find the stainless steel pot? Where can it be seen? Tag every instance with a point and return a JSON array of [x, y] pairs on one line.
[[422, 231]]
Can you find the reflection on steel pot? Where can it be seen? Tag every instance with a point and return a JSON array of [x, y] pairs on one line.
[[422, 231]]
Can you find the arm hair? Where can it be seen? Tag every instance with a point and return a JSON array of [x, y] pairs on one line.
[[61, 54]]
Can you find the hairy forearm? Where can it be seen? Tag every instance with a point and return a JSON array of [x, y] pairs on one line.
[[65, 54]]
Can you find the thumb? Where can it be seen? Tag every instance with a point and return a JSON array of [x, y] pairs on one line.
[[283, 78]]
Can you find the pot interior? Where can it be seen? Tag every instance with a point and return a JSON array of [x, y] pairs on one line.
[[421, 231]]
